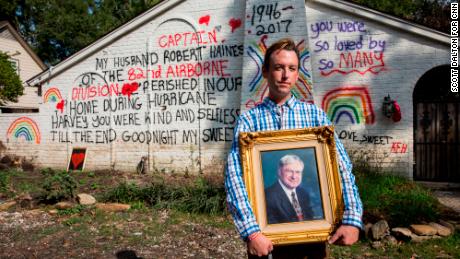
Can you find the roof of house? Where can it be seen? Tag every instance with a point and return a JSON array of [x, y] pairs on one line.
[[6, 25], [165, 5]]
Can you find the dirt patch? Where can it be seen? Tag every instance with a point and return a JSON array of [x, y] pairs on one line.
[[90, 233], [25, 220], [95, 234]]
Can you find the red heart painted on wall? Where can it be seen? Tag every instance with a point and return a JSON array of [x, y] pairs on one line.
[[60, 106], [77, 159], [204, 19], [129, 89], [234, 23]]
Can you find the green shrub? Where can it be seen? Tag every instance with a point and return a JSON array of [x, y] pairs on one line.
[[398, 200], [58, 186], [70, 211], [385, 195], [4, 182], [201, 197], [123, 193], [48, 171]]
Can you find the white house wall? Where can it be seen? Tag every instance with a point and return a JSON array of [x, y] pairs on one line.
[[192, 138], [182, 134]]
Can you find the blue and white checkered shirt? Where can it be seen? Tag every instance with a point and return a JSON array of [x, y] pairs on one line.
[[291, 115]]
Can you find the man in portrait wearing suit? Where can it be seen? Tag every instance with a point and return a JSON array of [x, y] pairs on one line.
[[286, 200]]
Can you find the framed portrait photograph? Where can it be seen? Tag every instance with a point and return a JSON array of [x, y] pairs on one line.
[[293, 183]]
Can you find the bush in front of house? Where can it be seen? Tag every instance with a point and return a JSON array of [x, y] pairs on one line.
[[396, 199], [200, 197], [58, 185]]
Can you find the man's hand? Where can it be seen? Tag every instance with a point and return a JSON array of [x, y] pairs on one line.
[[345, 235], [260, 246]]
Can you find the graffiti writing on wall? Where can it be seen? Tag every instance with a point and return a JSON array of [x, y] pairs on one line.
[[350, 104], [364, 138], [24, 128], [149, 97], [352, 49], [398, 147], [269, 19]]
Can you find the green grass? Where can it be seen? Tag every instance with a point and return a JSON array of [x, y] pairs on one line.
[[27, 188], [14, 182], [70, 211], [201, 197], [95, 186], [7, 183], [78, 219], [399, 201], [5, 180], [218, 222], [48, 230]]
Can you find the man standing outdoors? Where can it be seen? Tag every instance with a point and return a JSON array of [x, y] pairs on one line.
[[286, 200], [281, 110]]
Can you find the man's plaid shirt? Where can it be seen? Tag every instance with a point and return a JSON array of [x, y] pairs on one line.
[[291, 115]]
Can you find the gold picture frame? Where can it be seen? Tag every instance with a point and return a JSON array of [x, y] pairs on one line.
[[260, 151]]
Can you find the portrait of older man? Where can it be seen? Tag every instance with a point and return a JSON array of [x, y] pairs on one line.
[[286, 200]]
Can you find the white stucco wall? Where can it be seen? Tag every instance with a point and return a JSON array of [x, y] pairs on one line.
[[196, 121]]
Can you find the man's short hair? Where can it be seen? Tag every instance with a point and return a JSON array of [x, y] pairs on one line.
[[289, 159], [286, 44]]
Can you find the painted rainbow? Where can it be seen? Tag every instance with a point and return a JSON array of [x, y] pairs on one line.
[[352, 102], [24, 128], [52, 95]]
